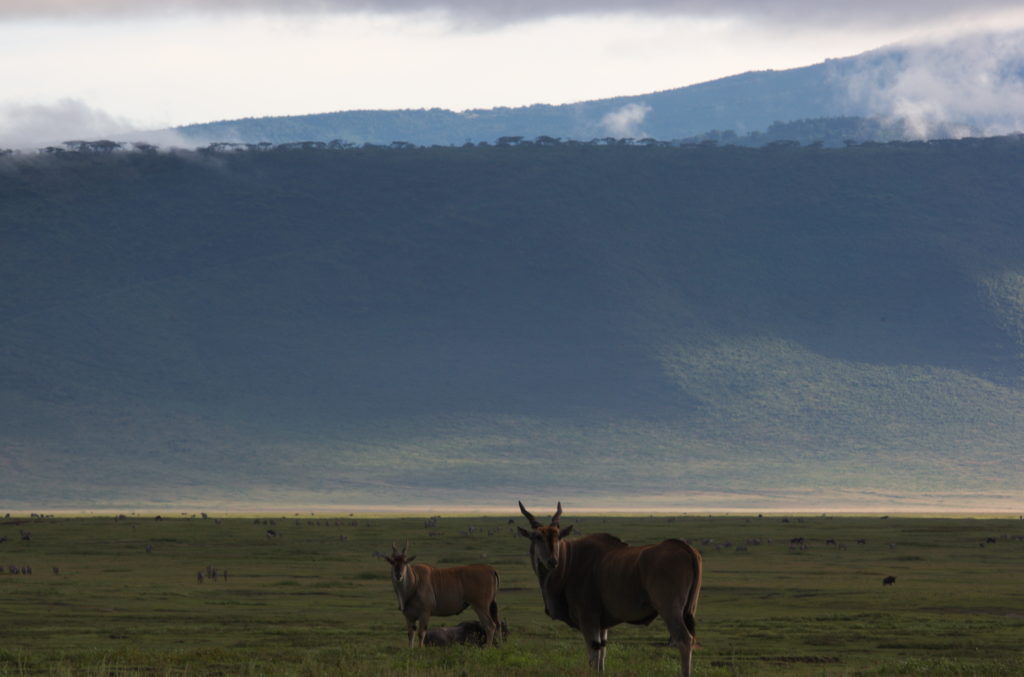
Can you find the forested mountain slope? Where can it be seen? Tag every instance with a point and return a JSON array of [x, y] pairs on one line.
[[697, 326], [744, 103]]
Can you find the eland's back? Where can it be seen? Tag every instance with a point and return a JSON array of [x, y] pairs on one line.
[[455, 588]]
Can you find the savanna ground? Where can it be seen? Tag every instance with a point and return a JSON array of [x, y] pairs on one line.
[[313, 600]]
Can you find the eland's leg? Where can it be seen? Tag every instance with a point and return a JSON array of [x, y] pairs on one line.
[[488, 623], [492, 613], [410, 627], [592, 635], [421, 630], [686, 655], [603, 651], [684, 640]]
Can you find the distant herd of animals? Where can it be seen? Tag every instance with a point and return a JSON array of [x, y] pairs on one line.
[[591, 583]]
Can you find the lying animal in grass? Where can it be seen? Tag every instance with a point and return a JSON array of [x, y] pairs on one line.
[[466, 632]]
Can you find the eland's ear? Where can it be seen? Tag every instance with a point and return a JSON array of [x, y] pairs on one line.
[[389, 561], [409, 559], [524, 533], [565, 532]]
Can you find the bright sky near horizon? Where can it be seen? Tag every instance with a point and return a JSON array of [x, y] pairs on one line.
[[91, 67]]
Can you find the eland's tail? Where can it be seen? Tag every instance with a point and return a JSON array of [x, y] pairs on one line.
[[689, 612], [493, 610]]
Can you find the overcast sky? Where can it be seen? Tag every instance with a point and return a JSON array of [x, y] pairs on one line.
[[91, 67]]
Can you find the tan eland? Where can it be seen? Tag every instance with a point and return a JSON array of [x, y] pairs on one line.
[[424, 591], [598, 581]]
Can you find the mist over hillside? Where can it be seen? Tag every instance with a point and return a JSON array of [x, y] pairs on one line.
[[692, 326]]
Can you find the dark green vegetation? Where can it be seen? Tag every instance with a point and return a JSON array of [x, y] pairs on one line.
[[307, 602], [736, 326], [743, 108]]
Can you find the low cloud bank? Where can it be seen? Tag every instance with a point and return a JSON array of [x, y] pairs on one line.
[[24, 126], [969, 85], [34, 126]]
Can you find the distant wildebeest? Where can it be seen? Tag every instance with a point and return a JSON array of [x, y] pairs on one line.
[[466, 632], [598, 581], [424, 591], [889, 580]]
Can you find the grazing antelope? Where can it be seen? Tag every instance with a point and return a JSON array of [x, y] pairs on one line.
[[424, 591], [598, 581]]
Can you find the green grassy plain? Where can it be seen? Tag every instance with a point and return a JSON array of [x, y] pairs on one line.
[[315, 601]]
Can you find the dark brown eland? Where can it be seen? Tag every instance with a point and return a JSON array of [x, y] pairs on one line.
[[424, 591], [598, 581]]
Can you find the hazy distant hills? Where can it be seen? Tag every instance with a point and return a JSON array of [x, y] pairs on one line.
[[856, 98], [742, 103], [726, 326]]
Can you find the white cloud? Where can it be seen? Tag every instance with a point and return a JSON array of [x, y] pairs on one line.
[[975, 80], [34, 126], [37, 125], [624, 123]]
